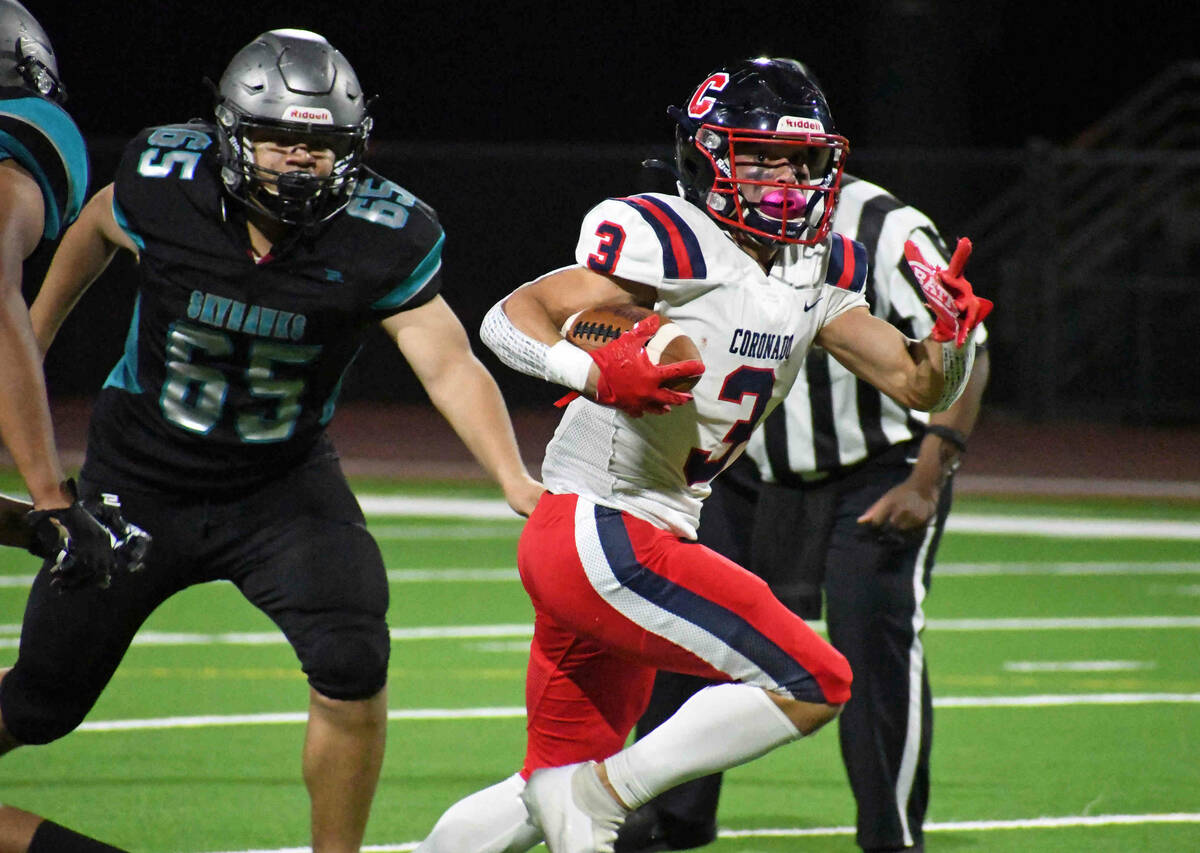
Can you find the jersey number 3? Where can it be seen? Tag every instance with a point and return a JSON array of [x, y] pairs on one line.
[[612, 239]]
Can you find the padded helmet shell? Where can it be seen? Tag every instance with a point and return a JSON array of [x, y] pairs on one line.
[[296, 82], [765, 100], [27, 58]]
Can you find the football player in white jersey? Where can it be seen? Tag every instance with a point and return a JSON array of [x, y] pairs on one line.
[[745, 265]]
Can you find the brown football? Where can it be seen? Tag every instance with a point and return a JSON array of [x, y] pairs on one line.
[[592, 328]]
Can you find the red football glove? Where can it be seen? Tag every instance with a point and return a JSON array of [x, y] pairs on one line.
[[632, 383], [957, 309]]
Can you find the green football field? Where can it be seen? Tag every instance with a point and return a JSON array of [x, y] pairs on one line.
[[1063, 640]]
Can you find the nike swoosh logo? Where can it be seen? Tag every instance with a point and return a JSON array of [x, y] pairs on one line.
[[809, 307]]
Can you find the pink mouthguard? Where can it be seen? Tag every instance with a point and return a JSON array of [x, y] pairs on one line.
[[782, 204]]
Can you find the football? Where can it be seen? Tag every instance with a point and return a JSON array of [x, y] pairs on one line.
[[592, 328]]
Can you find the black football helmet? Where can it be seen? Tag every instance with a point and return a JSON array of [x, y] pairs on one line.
[[766, 100], [26, 56], [296, 82]]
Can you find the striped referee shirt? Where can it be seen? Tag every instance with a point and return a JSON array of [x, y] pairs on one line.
[[831, 419]]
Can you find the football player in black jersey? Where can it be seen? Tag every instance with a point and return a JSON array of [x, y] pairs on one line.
[[43, 182], [266, 251], [37, 193]]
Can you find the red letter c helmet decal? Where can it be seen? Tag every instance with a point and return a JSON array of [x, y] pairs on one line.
[[700, 103]]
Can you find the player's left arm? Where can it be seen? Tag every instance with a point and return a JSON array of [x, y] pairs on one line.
[[928, 375], [879, 353], [434, 342]]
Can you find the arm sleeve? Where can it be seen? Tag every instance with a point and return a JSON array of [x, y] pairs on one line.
[[512, 346]]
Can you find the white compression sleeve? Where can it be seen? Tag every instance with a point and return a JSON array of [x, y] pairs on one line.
[[718, 728], [564, 363], [956, 370]]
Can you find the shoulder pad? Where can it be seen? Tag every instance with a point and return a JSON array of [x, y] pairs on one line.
[[170, 151], [847, 263], [39, 135], [160, 163], [382, 202], [647, 238]]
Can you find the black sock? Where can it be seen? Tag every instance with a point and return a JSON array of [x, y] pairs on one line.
[[52, 838]]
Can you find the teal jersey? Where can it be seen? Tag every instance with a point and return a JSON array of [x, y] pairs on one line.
[[39, 135]]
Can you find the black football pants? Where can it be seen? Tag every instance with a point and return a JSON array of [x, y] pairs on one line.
[[297, 548]]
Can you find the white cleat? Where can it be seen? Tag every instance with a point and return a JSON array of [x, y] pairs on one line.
[[574, 811]]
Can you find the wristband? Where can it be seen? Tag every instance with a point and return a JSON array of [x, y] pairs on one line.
[[949, 434], [567, 364]]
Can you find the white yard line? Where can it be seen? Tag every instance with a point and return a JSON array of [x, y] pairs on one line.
[[513, 712], [1077, 665], [973, 825], [1064, 822], [1101, 528], [10, 632], [1164, 567], [942, 570]]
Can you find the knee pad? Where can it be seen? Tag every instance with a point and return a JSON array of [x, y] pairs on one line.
[[35, 715], [348, 662]]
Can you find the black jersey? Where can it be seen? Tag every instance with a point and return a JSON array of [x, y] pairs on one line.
[[232, 367]]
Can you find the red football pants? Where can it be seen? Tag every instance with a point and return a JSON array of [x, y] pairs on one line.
[[616, 599]]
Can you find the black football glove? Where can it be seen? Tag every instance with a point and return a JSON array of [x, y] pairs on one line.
[[83, 545], [130, 542]]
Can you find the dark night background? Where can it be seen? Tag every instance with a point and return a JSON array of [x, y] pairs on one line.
[[938, 72], [511, 119]]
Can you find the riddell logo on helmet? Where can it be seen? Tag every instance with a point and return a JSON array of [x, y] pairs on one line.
[[316, 115], [798, 124]]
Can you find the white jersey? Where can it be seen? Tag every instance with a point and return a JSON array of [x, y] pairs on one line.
[[752, 329]]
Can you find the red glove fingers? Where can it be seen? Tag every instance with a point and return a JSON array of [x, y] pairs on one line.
[[959, 259], [956, 308], [972, 309], [631, 382], [937, 297]]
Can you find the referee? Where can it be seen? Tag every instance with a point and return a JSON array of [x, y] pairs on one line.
[[843, 491]]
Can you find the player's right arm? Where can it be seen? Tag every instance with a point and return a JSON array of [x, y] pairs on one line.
[[85, 251], [539, 309], [619, 260]]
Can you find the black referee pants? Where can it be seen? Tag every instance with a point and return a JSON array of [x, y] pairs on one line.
[[803, 540]]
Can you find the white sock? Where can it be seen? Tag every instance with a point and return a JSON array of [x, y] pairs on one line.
[[590, 795], [719, 727], [493, 820]]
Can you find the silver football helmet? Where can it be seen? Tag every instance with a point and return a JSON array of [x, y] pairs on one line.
[[26, 56], [294, 81]]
